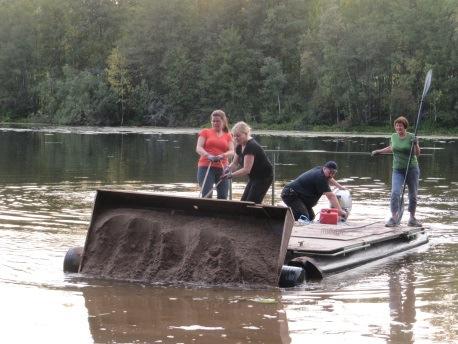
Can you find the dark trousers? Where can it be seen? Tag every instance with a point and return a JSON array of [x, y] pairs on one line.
[[256, 189], [298, 206]]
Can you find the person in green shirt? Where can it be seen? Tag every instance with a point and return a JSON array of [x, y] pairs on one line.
[[400, 145]]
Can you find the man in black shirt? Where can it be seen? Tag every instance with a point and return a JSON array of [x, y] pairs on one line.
[[303, 193]]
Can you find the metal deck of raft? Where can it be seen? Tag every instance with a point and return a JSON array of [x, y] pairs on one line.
[[322, 248]]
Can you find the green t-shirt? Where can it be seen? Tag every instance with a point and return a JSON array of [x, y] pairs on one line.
[[401, 151]]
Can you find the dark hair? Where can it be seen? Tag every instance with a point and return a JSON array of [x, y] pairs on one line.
[[403, 120], [222, 115], [332, 165]]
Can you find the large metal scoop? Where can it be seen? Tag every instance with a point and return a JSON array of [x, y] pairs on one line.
[[157, 238]]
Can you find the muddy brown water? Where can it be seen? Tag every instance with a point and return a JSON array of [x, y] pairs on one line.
[[48, 178]]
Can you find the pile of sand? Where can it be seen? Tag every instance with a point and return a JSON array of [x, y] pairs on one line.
[[162, 246]]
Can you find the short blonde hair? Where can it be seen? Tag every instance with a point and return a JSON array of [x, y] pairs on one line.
[[403, 120], [241, 127]]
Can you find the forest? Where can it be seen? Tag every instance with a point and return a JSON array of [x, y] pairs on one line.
[[274, 63]]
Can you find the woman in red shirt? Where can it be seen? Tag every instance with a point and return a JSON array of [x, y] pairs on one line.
[[215, 146]]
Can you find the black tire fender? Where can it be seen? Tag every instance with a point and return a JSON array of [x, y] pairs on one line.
[[72, 259]]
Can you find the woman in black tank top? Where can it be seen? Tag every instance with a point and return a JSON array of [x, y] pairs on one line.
[[250, 159]]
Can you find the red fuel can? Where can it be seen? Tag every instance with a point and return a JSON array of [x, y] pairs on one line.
[[329, 216]]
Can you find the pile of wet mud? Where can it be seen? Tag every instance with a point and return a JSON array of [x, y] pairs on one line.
[[154, 245]]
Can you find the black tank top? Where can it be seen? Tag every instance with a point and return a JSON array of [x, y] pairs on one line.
[[262, 167]]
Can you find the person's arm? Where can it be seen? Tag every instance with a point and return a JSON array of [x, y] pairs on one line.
[[334, 182], [335, 203], [232, 166], [248, 162], [416, 147], [229, 153], [200, 147], [385, 150]]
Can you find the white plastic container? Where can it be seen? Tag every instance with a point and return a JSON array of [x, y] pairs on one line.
[[344, 198]]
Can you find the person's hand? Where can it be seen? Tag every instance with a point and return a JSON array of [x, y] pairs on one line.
[[375, 152], [226, 175], [214, 158], [343, 214]]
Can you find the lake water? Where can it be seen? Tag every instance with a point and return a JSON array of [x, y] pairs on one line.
[[48, 178]]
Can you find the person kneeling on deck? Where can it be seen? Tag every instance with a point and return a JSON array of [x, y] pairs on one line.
[[303, 193]]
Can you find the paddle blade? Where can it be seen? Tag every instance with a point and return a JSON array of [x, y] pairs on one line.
[[427, 83], [400, 213]]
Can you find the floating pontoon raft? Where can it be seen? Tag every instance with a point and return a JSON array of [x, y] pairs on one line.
[[322, 249], [153, 238]]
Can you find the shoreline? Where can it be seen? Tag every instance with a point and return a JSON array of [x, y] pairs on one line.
[[91, 130]]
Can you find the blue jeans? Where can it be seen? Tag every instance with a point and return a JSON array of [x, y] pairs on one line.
[[397, 180], [213, 178]]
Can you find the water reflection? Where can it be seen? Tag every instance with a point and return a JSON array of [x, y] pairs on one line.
[[400, 299], [47, 185], [402, 304], [127, 313]]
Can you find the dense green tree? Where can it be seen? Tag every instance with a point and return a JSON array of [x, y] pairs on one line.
[[79, 97], [147, 106], [93, 27], [274, 82], [51, 51], [283, 62], [281, 35], [370, 58], [118, 79], [229, 77], [16, 58], [155, 28], [181, 86]]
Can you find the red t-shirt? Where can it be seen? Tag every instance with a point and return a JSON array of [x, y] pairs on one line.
[[214, 145]]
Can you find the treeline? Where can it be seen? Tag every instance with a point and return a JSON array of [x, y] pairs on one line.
[[292, 63]]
